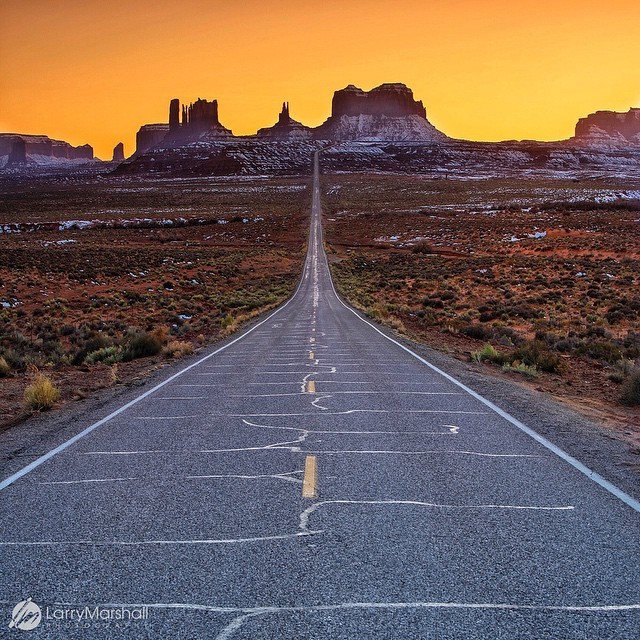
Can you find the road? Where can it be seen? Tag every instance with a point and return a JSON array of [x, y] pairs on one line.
[[315, 479]]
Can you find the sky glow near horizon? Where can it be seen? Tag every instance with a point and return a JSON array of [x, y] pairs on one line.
[[90, 72]]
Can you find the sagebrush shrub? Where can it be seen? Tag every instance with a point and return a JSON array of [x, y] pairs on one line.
[[536, 354], [489, 354], [106, 355], [141, 345], [93, 343], [520, 367], [477, 331], [631, 389]]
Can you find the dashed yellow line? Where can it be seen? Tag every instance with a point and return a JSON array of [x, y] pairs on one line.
[[310, 477], [311, 355], [311, 386]]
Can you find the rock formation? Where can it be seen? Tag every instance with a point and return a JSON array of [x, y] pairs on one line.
[[391, 100], [388, 126], [174, 115], [609, 128], [118, 152], [386, 113], [186, 124], [83, 152], [149, 135], [286, 128], [18, 153], [20, 147], [200, 116]]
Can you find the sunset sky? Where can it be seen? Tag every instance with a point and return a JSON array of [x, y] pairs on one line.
[[94, 72]]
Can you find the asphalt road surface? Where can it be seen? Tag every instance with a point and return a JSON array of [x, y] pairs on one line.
[[314, 479]]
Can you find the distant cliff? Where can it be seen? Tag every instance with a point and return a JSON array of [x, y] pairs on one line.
[[388, 113], [609, 129], [19, 148]]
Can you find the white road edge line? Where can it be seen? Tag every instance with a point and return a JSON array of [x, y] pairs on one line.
[[47, 456], [576, 464]]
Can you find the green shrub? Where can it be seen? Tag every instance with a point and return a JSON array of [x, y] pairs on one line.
[[226, 321], [140, 345], [507, 335], [41, 394], [631, 389], [521, 367], [603, 350], [621, 370], [14, 359], [106, 355], [95, 342], [489, 354], [477, 331], [536, 354]]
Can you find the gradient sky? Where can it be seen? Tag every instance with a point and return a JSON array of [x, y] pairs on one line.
[[94, 72]]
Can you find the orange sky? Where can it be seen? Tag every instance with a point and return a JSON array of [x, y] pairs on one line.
[[93, 72]]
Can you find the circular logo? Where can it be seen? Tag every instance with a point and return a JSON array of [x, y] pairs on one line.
[[26, 615]]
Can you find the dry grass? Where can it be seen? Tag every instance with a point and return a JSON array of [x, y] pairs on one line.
[[178, 349], [5, 369], [231, 324], [42, 394]]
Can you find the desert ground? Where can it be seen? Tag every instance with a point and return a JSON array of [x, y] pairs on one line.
[[537, 279], [104, 278]]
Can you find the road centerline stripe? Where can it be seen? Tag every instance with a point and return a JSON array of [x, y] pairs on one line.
[[310, 478]]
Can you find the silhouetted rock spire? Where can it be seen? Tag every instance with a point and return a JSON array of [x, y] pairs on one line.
[[286, 128], [284, 114], [118, 152], [174, 115]]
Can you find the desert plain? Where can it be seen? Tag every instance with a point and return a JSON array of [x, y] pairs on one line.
[[105, 278]]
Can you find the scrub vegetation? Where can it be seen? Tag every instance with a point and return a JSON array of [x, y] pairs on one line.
[[98, 272], [539, 279]]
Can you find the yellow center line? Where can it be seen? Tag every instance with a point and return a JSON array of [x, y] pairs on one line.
[[310, 477], [311, 355], [311, 386]]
